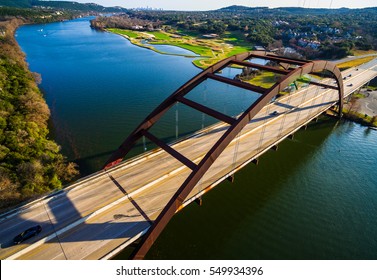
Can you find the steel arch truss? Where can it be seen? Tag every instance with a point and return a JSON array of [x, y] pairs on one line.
[[291, 69]]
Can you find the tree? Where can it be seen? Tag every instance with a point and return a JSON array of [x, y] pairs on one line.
[[373, 120], [30, 164]]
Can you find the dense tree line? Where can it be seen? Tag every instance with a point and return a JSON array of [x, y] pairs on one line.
[[35, 15], [30, 163], [124, 22]]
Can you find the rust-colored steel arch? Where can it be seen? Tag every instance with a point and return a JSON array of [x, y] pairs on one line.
[[290, 74]]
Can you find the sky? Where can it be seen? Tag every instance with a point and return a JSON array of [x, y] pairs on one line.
[[204, 5]]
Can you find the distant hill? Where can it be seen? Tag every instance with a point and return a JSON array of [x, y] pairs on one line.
[[67, 5], [16, 3], [236, 8], [290, 10], [298, 10]]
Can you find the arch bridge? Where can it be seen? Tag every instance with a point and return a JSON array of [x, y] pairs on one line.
[[100, 215], [289, 69]]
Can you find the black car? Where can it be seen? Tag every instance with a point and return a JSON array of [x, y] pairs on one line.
[[30, 232], [274, 113]]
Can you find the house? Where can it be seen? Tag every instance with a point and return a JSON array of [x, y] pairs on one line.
[[210, 36], [259, 48]]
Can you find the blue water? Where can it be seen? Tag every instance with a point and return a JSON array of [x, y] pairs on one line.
[[172, 50], [315, 198], [99, 87]]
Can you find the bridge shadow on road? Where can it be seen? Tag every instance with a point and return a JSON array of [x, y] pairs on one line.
[[134, 203], [58, 214]]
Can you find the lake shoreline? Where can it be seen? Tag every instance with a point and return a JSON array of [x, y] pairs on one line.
[[135, 43], [208, 51]]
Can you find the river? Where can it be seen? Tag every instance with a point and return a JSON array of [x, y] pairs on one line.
[[314, 198]]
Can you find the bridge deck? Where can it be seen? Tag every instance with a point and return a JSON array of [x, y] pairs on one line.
[[103, 213]]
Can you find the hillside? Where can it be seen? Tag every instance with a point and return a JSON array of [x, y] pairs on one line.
[[30, 163], [237, 8], [291, 10], [67, 5], [16, 3]]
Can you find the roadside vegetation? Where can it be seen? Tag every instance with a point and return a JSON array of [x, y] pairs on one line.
[[360, 118], [355, 62], [30, 163]]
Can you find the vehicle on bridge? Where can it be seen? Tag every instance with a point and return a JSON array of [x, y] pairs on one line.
[[274, 113], [29, 233]]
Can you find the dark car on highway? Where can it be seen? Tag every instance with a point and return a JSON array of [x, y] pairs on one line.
[[274, 113], [30, 232]]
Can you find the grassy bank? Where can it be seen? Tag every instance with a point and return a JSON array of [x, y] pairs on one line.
[[355, 63], [360, 118], [264, 79], [209, 51]]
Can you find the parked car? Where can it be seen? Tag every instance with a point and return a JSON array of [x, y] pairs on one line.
[[30, 232], [350, 85]]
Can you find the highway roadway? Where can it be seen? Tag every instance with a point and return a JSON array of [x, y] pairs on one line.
[[99, 215]]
